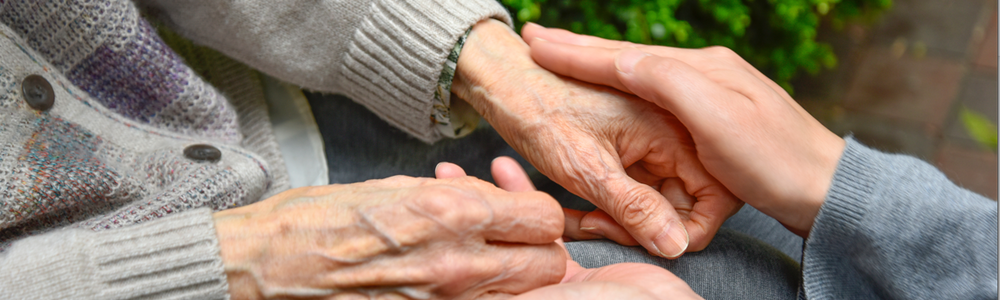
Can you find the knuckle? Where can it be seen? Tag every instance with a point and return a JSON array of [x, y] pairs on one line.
[[550, 212], [451, 205], [637, 209], [723, 53]]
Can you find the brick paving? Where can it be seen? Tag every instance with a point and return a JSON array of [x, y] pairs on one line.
[[902, 81]]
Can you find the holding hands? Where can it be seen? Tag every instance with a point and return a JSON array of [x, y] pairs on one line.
[[633, 160], [747, 131]]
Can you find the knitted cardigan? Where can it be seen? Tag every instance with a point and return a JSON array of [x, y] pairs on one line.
[[98, 191]]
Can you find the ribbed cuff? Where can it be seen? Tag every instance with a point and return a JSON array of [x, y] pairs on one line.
[[176, 257], [396, 55], [845, 205]]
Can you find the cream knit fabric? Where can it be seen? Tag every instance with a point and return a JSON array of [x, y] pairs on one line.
[[97, 198], [385, 54]]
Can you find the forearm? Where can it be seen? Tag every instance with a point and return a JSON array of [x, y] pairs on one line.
[[893, 226], [176, 256]]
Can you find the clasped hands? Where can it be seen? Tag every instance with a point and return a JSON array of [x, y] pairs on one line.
[[667, 142]]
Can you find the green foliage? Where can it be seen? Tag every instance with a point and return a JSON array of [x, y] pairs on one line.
[[776, 36], [979, 128]]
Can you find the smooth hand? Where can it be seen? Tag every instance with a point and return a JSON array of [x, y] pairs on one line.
[[748, 132], [632, 159], [626, 281], [397, 238]]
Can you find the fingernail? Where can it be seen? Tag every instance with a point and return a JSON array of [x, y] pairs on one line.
[[627, 60], [533, 24], [674, 242], [592, 230]]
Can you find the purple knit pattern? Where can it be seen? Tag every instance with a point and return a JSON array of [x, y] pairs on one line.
[[137, 81], [130, 70]]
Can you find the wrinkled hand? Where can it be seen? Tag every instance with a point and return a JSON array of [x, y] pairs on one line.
[[748, 132], [401, 237], [633, 160], [627, 281]]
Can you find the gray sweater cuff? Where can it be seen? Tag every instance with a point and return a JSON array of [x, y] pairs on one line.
[[893, 226], [418, 35], [838, 219], [176, 257]]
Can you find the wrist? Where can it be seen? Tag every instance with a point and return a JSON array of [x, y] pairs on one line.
[[491, 59], [233, 251], [802, 205]]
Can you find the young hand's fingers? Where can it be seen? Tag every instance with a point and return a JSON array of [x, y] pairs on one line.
[[510, 176], [591, 64], [704, 107], [448, 170], [704, 213], [600, 223], [573, 230], [658, 281], [532, 32]]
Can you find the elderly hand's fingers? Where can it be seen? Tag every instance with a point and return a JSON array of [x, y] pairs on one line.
[[510, 176], [448, 170], [524, 217], [452, 271]]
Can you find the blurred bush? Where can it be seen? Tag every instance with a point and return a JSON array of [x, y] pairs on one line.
[[776, 36]]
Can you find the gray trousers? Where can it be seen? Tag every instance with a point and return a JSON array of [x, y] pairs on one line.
[[752, 256]]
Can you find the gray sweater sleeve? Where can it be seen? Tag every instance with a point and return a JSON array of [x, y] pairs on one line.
[[385, 54], [894, 227], [176, 257]]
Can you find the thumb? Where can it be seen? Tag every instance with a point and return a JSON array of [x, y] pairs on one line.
[[648, 216]]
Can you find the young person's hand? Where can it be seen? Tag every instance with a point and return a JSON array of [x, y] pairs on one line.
[[747, 131], [632, 159]]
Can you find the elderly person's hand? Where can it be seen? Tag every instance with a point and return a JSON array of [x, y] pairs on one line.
[[401, 237], [748, 132], [631, 281], [633, 160]]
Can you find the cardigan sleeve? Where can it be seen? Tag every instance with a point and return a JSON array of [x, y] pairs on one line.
[[176, 257], [895, 227], [388, 55]]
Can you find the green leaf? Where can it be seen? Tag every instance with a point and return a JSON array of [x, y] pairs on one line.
[[779, 37], [979, 128]]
